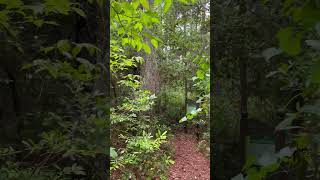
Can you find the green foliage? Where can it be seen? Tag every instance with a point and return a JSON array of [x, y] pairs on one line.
[[289, 41], [172, 102], [70, 136], [299, 74]]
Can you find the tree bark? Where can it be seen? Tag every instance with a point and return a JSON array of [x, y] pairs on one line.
[[102, 84], [244, 95]]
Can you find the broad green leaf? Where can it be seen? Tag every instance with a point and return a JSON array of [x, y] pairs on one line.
[[270, 52], [38, 22], [63, 45], [157, 2], [90, 48], [146, 48], [286, 124], [286, 151], [138, 26], [289, 41], [113, 152], [135, 4], [183, 119], [183, 1], [154, 43], [86, 62], [57, 6], [47, 49], [167, 5], [145, 4], [308, 15], [76, 50], [205, 66], [121, 31], [79, 11], [12, 4], [200, 74]]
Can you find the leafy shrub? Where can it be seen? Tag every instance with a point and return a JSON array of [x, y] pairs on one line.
[[172, 103], [142, 157]]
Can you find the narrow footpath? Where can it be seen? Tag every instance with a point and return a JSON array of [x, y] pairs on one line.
[[189, 164]]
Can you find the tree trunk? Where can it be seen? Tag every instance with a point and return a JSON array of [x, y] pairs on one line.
[[243, 109], [243, 134], [102, 84]]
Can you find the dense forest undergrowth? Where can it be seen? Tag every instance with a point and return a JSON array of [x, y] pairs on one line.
[[160, 83], [62, 96], [69, 107]]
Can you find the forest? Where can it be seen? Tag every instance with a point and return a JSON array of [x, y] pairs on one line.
[[94, 89], [159, 89]]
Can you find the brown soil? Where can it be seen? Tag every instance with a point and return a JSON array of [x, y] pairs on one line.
[[189, 164]]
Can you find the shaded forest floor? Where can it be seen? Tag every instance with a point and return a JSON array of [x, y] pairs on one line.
[[189, 162]]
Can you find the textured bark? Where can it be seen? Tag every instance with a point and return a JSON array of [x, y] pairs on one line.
[[150, 74], [244, 97], [102, 85]]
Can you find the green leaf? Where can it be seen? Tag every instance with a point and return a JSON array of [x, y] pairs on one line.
[[145, 4], [308, 15], [76, 50], [200, 74], [57, 6], [286, 124], [63, 45], [47, 49], [139, 45], [146, 48], [183, 119], [289, 41], [154, 43], [86, 62], [113, 153], [167, 5], [12, 4], [138, 26], [270, 52], [79, 11], [121, 31], [157, 2], [183, 1], [286, 151]]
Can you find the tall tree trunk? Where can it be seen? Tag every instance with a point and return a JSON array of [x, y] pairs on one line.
[[243, 109], [244, 97], [102, 84]]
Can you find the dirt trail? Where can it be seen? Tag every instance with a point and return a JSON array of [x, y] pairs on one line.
[[189, 163]]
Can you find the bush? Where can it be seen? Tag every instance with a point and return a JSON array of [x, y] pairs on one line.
[[172, 103]]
